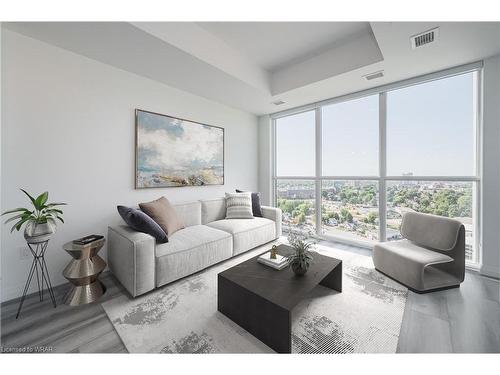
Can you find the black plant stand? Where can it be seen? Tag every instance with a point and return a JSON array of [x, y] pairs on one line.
[[39, 267]]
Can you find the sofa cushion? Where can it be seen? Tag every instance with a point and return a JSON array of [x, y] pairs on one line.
[[239, 206], [212, 210], [247, 233], [189, 213], [435, 232], [413, 252], [406, 262], [164, 214], [190, 250], [141, 222]]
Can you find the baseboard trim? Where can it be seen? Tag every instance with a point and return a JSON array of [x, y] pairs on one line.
[[13, 293], [489, 271]]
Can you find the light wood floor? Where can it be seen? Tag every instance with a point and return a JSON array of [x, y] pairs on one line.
[[460, 320], [465, 319], [80, 329]]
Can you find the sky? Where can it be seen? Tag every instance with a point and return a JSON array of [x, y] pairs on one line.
[[430, 132]]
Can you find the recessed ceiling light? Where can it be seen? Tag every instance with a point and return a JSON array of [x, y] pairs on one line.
[[278, 102], [374, 75]]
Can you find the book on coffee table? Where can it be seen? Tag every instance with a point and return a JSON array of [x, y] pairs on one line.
[[279, 263]]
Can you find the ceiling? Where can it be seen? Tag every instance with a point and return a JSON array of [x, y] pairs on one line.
[[274, 45], [250, 65]]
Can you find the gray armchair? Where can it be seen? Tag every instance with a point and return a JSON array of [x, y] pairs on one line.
[[430, 257]]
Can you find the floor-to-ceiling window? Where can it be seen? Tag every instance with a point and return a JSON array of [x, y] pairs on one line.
[[351, 167], [296, 157], [349, 162]]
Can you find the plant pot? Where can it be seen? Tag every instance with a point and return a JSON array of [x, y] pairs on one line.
[[298, 270], [38, 232]]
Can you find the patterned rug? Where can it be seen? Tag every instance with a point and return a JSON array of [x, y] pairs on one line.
[[182, 317]]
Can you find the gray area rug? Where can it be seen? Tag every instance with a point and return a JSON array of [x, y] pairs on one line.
[[182, 317]]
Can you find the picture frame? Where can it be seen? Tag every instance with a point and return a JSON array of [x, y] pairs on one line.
[[175, 152]]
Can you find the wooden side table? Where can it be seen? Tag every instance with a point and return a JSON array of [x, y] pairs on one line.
[[83, 272]]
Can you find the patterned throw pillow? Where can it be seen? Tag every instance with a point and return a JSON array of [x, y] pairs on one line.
[[256, 210], [239, 206]]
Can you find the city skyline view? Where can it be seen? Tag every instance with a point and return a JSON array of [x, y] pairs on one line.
[[350, 208], [430, 131]]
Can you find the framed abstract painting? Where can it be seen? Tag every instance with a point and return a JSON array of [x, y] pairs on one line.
[[173, 152]]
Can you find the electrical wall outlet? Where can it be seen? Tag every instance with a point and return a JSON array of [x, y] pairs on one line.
[[24, 252]]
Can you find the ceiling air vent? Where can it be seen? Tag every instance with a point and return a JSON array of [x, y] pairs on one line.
[[424, 38], [374, 75], [278, 102]]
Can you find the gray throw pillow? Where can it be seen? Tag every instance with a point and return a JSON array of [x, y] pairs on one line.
[[139, 221], [239, 206], [256, 210]]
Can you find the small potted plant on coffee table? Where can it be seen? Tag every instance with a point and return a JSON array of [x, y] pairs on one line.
[[302, 245]]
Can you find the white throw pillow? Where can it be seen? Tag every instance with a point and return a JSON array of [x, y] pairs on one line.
[[239, 206]]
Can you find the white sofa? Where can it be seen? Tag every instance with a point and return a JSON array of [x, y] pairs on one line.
[[140, 264]]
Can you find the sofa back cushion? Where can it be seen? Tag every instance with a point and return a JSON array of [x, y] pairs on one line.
[[435, 232], [189, 213], [213, 210]]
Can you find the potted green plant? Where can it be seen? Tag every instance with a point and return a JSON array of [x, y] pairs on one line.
[[40, 220], [301, 258]]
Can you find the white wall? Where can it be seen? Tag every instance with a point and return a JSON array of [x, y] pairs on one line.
[[1, 177], [491, 169], [69, 128], [265, 159]]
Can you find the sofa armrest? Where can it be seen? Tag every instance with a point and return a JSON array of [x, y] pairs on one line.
[[131, 258], [274, 214]]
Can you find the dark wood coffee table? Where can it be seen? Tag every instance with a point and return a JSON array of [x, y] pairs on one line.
[[260, 299]]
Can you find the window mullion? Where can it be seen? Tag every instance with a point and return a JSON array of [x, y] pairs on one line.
[[274, 200], [382, 194], [319, 168]]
